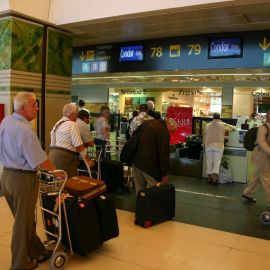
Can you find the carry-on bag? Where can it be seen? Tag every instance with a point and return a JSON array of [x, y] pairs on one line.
[[155, 205], [84, 187], [112, 173], [84, 226], [51, 223], [107, 216]]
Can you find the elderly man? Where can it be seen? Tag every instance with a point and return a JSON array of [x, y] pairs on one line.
[[66, 142], [213, 139], [21, 156], [152, 158], [152, 111]]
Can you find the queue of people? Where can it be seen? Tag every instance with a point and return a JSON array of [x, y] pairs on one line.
[[22, 155]]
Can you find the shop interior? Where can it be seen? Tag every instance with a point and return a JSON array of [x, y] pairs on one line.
[[204, 94]]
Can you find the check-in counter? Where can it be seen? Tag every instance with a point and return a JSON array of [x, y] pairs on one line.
[[238, 157]]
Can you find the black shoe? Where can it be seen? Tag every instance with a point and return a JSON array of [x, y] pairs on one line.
[[45, 256], [249, 198]]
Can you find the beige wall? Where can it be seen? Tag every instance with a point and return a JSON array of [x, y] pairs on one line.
[[242, 104], [156, 95], [68, 11]]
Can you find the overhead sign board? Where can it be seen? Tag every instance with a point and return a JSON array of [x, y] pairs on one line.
[[246, 50]]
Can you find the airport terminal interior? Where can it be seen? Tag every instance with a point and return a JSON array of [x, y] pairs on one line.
[[195, 59]]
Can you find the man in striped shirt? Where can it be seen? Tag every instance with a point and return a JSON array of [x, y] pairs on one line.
[[66, 142], [21, 155]]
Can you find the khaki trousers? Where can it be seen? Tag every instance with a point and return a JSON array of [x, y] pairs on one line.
[[262, 177], [141, 178], [21, 191], [64, 160]]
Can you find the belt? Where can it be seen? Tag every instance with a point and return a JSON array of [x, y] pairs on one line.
[[63, 149], [19, 170]]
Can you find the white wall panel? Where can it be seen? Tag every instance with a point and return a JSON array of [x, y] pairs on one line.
[[69, 11]]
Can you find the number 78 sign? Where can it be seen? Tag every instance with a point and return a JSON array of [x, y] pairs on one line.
[[175, 50]]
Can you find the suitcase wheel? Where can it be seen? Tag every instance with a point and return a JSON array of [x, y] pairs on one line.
[[265, 218], [58, 260], [147, 224], [135, 222]]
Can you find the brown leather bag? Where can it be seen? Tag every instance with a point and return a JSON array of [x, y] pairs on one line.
[[84, 187]]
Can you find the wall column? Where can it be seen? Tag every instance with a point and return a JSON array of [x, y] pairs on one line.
[[227, 102], [35, 58]]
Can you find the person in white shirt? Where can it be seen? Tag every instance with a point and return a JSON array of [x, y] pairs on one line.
[[214, 146], [66, 143], [102, 129], [83, 125]]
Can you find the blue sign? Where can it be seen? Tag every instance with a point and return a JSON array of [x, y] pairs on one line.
[[225, 48], [131, 53], [249, 50]]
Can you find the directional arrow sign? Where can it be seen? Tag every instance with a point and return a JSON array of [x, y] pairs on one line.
[[265, 45], [82, 56]]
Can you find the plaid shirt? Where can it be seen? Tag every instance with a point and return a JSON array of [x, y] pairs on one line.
[[138, 120]]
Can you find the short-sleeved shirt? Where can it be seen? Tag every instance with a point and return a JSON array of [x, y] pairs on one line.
[[84, 131], [100, 124], [66, 134], [138, 120], [19, 144]]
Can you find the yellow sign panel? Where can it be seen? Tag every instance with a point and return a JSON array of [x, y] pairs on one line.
[[90, 55], [175, 50]]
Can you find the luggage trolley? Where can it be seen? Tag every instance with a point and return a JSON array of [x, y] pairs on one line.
[[52, 186]]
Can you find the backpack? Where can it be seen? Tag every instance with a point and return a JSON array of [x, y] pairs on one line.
[[251, 137], [129, 149]]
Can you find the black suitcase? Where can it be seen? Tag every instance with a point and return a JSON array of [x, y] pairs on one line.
[[155, 205], [112, 174], [107, 216], [84, 226]]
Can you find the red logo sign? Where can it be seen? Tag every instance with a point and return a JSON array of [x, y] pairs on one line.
[[183, 117]]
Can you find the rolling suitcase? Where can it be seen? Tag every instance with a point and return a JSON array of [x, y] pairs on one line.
[[107, 216], [84, 226], [155, 205], [113, 174]]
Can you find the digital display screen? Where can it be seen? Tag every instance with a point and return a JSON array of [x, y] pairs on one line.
[[225, 48], [131, 53]]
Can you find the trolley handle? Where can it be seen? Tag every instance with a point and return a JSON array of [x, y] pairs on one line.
[[53, 175]]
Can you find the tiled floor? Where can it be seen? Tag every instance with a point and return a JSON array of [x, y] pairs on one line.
[[168, 246]]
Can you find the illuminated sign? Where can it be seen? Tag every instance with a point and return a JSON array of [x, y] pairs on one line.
[[225, 48], [131, 53]]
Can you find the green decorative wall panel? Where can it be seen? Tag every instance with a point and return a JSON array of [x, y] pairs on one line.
[[5, 43], [59, 53], [27, 41]]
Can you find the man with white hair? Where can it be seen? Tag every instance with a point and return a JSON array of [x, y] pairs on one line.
[[66, 142], [21, 156], [151, 110]]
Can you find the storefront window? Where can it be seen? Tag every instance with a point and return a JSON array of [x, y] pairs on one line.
[[215, 104]]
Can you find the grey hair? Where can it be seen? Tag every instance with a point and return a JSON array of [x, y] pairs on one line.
[[69, 109], [21, 99], [150, 104]]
